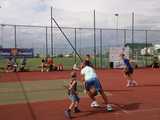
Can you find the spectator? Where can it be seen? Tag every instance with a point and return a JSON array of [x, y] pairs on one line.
[[43, 65], [155, 63], [50, 64], [23, 64], [11, 65]]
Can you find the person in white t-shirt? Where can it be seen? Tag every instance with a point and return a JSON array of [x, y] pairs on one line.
[[90, 79]]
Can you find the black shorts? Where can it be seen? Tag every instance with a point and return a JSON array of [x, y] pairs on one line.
[[9, 65]]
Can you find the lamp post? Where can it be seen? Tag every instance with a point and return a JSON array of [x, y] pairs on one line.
[[116, 15]]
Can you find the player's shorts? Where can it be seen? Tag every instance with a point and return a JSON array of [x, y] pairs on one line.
[[93, 82], [129, 71], [9, 65], [74, 98]]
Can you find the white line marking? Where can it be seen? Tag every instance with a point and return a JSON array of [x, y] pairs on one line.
[[144, 110]]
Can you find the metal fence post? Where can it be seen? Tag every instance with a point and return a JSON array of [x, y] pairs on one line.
[[51, 34], [132, 35], [146, 33], [15, 41], [95, 61], [125, 38], [46, 42], [75, 42], [101, 48]]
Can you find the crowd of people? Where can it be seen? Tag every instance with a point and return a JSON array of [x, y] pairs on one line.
[[12, 66], [47, 65]]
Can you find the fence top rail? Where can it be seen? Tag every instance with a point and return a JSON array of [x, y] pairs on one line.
[[89, 28]]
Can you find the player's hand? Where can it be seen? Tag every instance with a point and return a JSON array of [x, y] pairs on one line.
[[65, 86]]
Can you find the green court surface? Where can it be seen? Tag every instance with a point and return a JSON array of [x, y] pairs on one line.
[[43, 90], [36, 91]]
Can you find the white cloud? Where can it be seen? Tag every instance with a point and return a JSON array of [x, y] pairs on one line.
[[79, 13]]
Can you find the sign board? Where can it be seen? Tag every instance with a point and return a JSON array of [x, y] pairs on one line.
[[18, 52]]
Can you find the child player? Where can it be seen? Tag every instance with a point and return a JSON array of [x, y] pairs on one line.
[[73, 95], [128, 71]]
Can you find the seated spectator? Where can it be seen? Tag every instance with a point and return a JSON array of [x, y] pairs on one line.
[[50, 64], [11, 65], [44, 65], [23, 64], [60, 67]]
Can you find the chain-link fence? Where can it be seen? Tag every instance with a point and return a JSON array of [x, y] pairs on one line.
[[39, 39]]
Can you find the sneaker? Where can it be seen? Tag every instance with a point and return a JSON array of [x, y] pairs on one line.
[[134, 83], [67, 114], [109, 108], [76, 110], [94, 104], [129, 84]]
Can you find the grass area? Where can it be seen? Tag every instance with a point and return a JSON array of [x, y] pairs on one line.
[[34, 63]]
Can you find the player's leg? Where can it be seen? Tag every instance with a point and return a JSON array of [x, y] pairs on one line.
[[67, 112], [128, 78], [76, 107], [88, 85], [103, 95], [132, 82]]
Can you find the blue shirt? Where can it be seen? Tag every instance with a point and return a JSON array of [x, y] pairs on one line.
[[127, 63]]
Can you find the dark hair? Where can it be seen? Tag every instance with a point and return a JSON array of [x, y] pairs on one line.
[[87, 55], [43, 60], [73, 74], [87, 63]]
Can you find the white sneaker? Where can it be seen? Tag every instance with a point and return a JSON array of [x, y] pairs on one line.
[[94, 104], [109, 108], [128, 84], [134, 83]]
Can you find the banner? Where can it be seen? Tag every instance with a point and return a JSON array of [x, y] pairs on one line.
[[18, 52]]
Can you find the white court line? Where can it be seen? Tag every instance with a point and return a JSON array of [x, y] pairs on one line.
[[140, 110]]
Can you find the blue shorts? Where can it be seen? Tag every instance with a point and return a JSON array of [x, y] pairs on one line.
[[93, 82], [74, 97], [129, 71]]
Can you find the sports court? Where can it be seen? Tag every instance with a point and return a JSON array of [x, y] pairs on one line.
[[44, 98], [43, 41]]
